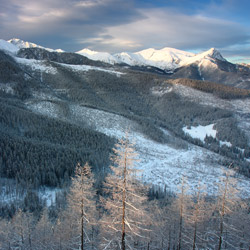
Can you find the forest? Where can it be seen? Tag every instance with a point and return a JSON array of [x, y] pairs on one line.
[[127, 214]]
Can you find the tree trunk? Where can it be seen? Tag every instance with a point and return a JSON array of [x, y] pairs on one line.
[[82, 211], [222, 214], [181, 217], [195, 232], [82, 233], [196, 219], [123, 201]]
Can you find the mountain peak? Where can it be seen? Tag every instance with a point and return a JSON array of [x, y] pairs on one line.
[[97, 56], [214, 53], [24, 45], [87, 51], [166, 58]]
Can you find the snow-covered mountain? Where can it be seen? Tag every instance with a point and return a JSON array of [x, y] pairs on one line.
[[8, 47], [98, 56], [167, 59], [206, 66], [22, 44]]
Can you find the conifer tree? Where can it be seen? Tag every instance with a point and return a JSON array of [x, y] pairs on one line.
[[124, 224], [226, 204], [77, 221], [44, 232]]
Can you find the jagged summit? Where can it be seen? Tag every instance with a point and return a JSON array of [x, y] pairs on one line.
[[213, 53]]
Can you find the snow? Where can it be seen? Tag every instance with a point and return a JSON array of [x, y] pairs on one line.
[[78, 68], [166, 59], [228, 144], [49, 195], [161, 90], [8, 47], [98, 56], [200, 132], [47, 108], [10, 192], [240, 107], [163, 164], [22, 44], [37, 65], [7, 88], [130, 59]]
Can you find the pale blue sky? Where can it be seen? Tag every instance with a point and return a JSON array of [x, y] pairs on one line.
[[131, 25]]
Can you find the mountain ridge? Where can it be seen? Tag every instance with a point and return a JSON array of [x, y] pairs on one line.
[[206, 66], [167, 58]]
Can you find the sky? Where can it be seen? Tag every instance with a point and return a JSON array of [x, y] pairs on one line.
[[131, 25]]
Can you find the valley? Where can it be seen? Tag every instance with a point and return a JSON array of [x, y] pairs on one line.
[[110, 99]]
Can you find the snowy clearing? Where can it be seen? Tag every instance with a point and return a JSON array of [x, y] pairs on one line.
[[228, 144], [45, 108], [37, 65], [160, 91], [78, 68], [200, 132]]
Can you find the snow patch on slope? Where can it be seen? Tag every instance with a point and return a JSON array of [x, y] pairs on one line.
[[200, 132], [45, 108], [226, 143], [78, 68], [37, 65], [7, 88], [161, 90]]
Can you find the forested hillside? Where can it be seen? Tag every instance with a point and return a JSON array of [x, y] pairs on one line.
[[62, 110]]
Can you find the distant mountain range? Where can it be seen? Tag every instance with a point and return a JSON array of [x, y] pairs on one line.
[[167, 59], [207, 66]]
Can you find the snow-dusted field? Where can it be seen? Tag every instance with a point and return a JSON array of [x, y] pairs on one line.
[[162, 164], [200, 132]]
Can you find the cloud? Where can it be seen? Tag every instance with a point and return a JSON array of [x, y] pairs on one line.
[[118, 25], [163, 28], [63, 18]]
